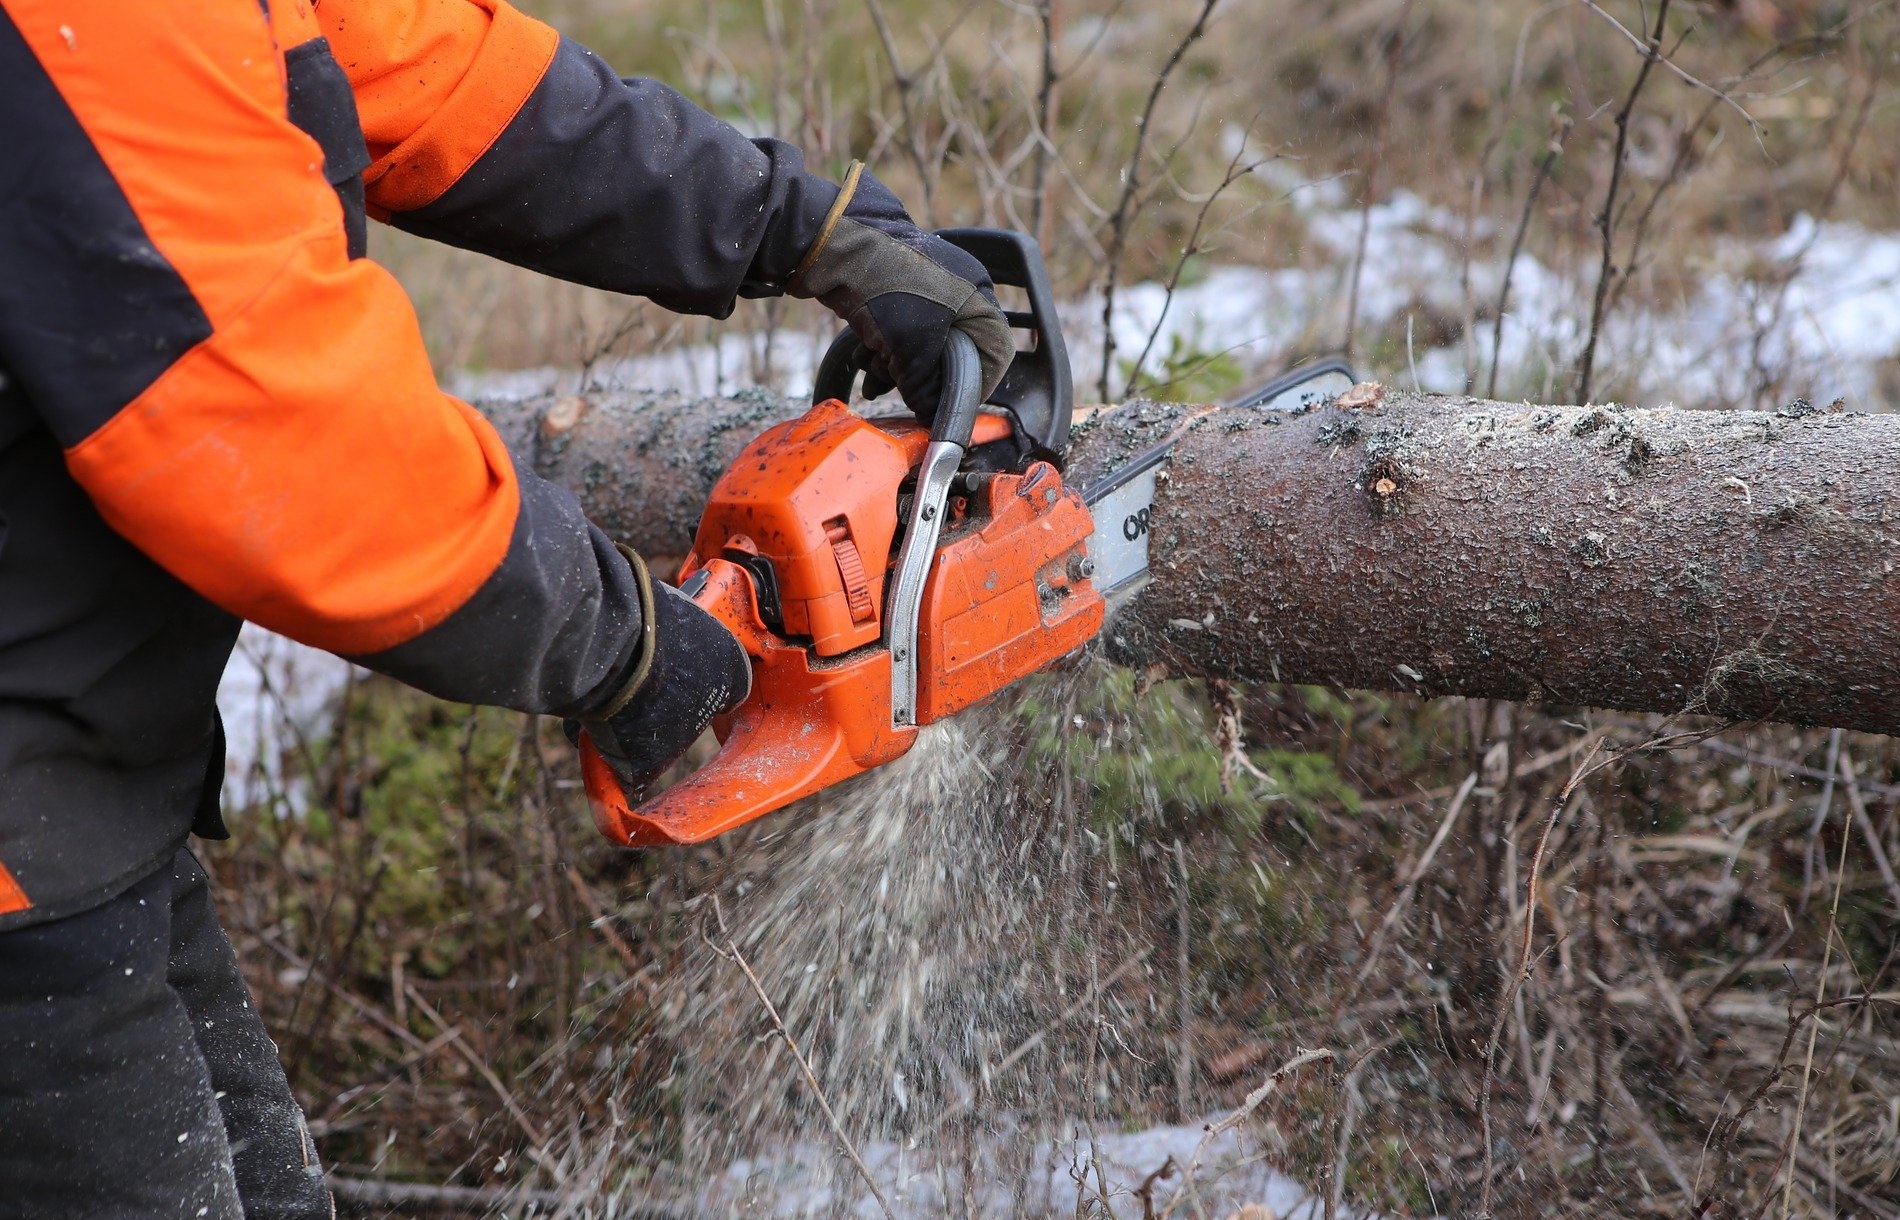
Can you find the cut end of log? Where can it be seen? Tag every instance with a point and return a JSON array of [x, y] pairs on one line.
[[563, 415]]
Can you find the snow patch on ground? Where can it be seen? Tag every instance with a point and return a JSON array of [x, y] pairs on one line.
[[276, 697], [808, 1180]]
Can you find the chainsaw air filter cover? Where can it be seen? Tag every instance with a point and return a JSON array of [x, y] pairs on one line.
[[816, 498]]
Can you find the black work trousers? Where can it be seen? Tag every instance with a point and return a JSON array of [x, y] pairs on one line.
[[136, 1079]]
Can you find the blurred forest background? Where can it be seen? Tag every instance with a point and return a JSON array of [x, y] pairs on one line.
[[1557, 201]]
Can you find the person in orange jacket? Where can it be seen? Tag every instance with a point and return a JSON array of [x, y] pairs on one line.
[[213, 408]]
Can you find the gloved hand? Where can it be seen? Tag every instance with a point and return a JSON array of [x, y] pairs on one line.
[[902, 290], [691, 669]]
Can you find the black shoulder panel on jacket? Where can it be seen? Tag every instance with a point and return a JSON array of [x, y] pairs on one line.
[[627, 185], [321, 104], [90, 311]]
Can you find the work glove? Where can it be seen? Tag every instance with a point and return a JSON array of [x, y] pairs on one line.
[[690, 670], [902, 291]]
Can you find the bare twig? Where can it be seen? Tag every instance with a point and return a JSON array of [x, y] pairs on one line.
[[731, 953], [364, 1196], [1239, 1116], [1235, 172], [1582, 772], [601, 923], [1131, 188], [1349, 1087], [1822, 808], [1606, 219], [1395, 51], [1843, 164], [1410, 888], [1147, 1192], [906, 83], [1685, 148], [1671, 64], [1651, 1140], [1866, 825], [1036, 1039], [1820, 994], [1183, 993], [540, 1142], [363, 1008], [1874, 1207], [1560, 124], [1049, 14], [319, 1024]]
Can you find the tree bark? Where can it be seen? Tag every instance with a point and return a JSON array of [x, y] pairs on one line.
[[1736, 564]]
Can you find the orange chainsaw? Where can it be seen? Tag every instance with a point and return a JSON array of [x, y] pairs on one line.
[[882, 576]]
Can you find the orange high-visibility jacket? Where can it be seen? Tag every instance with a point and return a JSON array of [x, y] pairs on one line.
[[213, 408]]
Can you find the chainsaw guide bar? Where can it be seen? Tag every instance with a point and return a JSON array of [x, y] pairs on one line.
[[1122, 500]]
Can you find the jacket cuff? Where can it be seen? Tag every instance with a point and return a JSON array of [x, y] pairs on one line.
[[811, 208], [506, 71]]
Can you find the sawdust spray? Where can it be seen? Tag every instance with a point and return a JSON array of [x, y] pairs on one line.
[[916, 929]]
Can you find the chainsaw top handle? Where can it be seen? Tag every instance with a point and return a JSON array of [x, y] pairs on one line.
[[949, 440], [1037, 390]]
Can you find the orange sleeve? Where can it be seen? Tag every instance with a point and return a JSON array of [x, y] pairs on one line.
[[436, 81], [298, 466]]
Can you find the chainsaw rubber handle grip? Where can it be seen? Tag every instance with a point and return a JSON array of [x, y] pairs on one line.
[[962, 391]]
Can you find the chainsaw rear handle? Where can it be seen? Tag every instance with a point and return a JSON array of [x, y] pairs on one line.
[[1037, 390]]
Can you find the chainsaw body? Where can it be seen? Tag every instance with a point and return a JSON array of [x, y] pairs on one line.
[[881, 578]]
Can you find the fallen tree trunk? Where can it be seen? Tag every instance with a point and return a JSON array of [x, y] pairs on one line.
[[1738, 564]]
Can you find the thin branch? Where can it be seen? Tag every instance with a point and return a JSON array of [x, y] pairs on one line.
[[361, 1196], [1049, 14], [1820, 994], [1561, 124], [1583, 770], [1131, 187], [1693, 81], [1410, 888], [1235, 172], [1393, 55], [1685, 147], [1183, 993], [487, 1073], [1239, 1116], [731, 953], [1866, 824], [1606, 219]]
